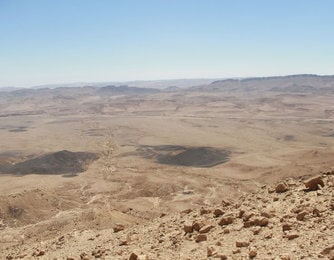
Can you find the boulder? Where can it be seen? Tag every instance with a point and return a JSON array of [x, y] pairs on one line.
[[226, 221], [133, 256], [205, 229], [313, 184], [300, 216], [217, 213], [252, 252], [201, 237], [241, 244], [281, 187], [188, 228]]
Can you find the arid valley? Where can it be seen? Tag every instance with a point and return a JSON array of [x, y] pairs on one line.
[[94, 172]]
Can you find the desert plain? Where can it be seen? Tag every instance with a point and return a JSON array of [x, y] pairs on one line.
[[78, 162]]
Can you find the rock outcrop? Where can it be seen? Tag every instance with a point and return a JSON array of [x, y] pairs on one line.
[[294, 224]]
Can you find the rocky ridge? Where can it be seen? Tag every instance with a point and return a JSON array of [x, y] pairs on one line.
[[292, 219]]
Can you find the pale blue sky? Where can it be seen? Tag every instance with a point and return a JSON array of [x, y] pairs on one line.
[[62, 41]]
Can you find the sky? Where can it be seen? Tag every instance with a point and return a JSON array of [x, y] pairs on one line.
[[66, 41]]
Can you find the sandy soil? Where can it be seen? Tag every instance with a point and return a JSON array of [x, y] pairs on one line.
[[270, 136]]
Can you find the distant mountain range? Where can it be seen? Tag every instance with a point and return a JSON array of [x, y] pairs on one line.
[[304, 83], [292, 83], [159, 84]]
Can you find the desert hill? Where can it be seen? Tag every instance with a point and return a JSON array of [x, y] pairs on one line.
[[292, 219], [62, 162], [292, 84], [148, 155]]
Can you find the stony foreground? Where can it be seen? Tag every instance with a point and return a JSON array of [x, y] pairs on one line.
[[289, 220]]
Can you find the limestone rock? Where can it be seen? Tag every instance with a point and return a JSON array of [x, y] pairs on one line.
[[286, 226], [291, 236], [252, 252], [201, 237], [300, 216], [226, 221], [196, 226], [218, 213], [281, 187], [241, 213], [118, 228], [313, 184], [205, 229], [262, 222], [247, 215], [210, 251], [186, 211], [204, 211], [241, 244], [133, 256], [39, 253], [188, 228], [328, 250]]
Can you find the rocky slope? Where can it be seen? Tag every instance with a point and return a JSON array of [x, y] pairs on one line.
[[289, 220]]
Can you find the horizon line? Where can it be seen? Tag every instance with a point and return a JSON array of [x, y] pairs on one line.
[[46, 85]]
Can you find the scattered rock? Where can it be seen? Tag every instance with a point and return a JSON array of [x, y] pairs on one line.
[[205, 229], [188, 228], [252, 252], [236, 251], [256, 231], [281, 187], [247, 215], [118, 228], [123, 243], [98, 253], [84, 256], [292, 236], [225, 221], [204, 211], [186, 211], [226, 203], [226, 231], [296, 215], [38, 253], [201, 237], [196, 226], [328, 250], [133, 256], [210, 251], [316, 212], [286, 226], [313, 184], [217, 213], [266, 214], [241, 213], [300, 216], [263, 222], [241, 244]]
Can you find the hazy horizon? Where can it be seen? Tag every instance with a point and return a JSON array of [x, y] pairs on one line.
[[60, 42], [132, 82]]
